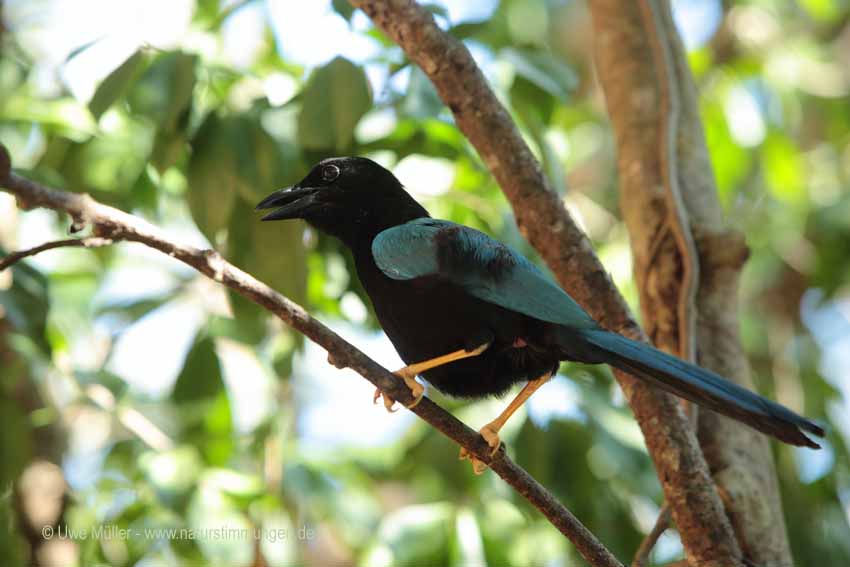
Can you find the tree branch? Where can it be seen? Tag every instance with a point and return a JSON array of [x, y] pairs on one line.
[[14, 257], [116, 225], [643, 71], [544, 221]]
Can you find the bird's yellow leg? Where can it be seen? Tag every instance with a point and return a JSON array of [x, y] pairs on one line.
[[409, 374], [490, 432]]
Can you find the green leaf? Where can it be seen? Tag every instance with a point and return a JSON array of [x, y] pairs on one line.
[[26, 303], [274, 252], [537, 129], [145, 193], [164, 91], [206, 11], [242, 487], [235, 163], [62, 115], [15, 445], [826, 11], [213, 177], [168, 148], [216, 437], [200, 379], [173, 473], [730, 162], [335, 98], [421, 100], [111, 162], [784, 169], [417, 535], [116, 84], [232, 156], [261, 163], [544, 70], [343, 8]]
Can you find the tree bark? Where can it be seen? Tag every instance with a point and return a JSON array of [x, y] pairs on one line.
[[645, 76]]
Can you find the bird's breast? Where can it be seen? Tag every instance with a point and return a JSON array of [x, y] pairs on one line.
[[429, 317]]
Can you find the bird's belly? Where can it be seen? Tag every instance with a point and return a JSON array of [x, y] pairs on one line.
[[426, 319]]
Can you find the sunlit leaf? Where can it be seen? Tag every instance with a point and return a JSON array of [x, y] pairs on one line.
[[174, 472], [343, 8], [543, 70], [417, 535], [729, 161], [784, 169], [335, 98], [64, 115], [421, 99], [273, 252], [116, 84], [213, 178], [200, 378], [26, 303], [109, 162], [262, 164], [15, 442], [164, 91]]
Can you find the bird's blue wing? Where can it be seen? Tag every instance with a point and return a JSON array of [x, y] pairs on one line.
[[484, 267]]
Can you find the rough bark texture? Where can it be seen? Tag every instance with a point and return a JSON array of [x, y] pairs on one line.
[[635, 85], [542, 219]]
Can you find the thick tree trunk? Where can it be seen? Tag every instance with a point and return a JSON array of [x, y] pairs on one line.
[[661, 150]]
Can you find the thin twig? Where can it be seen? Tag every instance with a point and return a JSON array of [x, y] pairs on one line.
[[662, 522], [88, 242], [118, 225]]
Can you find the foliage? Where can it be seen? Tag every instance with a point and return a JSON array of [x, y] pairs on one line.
[[192, 137]]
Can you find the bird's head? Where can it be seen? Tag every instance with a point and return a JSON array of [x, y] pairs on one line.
[[347, 197]]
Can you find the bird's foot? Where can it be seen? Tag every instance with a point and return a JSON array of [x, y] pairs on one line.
[[416, 389], [491, 435]]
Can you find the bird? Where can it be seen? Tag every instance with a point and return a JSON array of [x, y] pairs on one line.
[[473, 317]]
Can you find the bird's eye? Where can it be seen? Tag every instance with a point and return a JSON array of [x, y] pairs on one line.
[[330, 172]]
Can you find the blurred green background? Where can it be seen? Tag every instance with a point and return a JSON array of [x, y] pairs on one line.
[[165, 403]]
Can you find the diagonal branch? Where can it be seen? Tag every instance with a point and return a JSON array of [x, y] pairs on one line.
[[115, 225], [543, 220]]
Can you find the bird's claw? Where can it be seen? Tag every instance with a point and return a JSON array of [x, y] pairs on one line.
[[492, 437], [389, 403], [478, 466], [416, 389]]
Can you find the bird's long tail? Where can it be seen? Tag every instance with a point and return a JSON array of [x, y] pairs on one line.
[[698, 385]]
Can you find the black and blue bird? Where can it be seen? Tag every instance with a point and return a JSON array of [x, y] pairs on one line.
[[473, 317]]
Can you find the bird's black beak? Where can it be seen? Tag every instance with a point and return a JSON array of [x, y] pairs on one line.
[[289, 203]]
